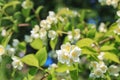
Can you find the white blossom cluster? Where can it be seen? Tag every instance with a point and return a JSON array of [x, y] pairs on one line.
[[11, 50], [68, 54], [99, 69], [114, 3], [45, 28], [74, 35], [17, 64]]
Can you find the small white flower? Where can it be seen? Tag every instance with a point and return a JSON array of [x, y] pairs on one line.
[[52, 66], [117, 31], [101, 56], [63, 57], [94, 64], [27, 4], [52, 34], [102, 27], [2, 50], [114, 70], [103, 68], [74, 35], [118, 13], [42, 33], [15, 42], [3, 33], [75, 53], [98, 73], [11, 51], [28, 38], [66, 47], [45, 24], [36, 29], [17, 64]]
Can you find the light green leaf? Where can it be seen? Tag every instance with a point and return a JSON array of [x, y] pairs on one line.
[[12, 3], [38, 10], [53, 43], [63, 68], [88, 51], [111, 56], [86, 42], [30, 60], [107, 48], [26, 12], [41, 56], [37, 44]]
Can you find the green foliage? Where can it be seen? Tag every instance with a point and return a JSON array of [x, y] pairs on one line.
[[111, 56], [38, 42], [41, 55], [53, 43], [30, 60]]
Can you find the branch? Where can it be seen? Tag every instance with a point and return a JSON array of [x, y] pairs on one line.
[[107, 39], [24, 25]]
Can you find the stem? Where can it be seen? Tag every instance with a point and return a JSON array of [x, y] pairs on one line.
[[37, 16], [24, 25], [107, 39]]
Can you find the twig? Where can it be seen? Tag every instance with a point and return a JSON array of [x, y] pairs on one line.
[[24, 25], [44, 76], [107, 39]]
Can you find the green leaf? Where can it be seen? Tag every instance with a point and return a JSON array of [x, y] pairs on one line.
[[111, 56], [91, 33], [74, 74], [107, 48], [53, 43], [37, 44], [26, 12], [63, 68], [30, 60], [38, 10], [86, 42], [6, 40], [41, 56], [12, 3], [88, 51]]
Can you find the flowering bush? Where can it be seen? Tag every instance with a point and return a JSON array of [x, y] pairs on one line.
[[62, 46]]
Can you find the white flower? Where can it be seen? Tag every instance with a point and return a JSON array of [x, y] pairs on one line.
[[35, 29], [117, 31], [2, 50], [15, 42], [63, 57], [52, 66], [75, 53], [27, 4], [98, 73], [42, 33], [11, 51], [3, 33], [17, 64], [118, 13], [102, 27], [99, 68], [45, 24], [51, 18], [101, 56], [94, 64], [114, 70], [52, 34], [28, 38], [75, 35], [68, 54], [66, 47], [103, 67]]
